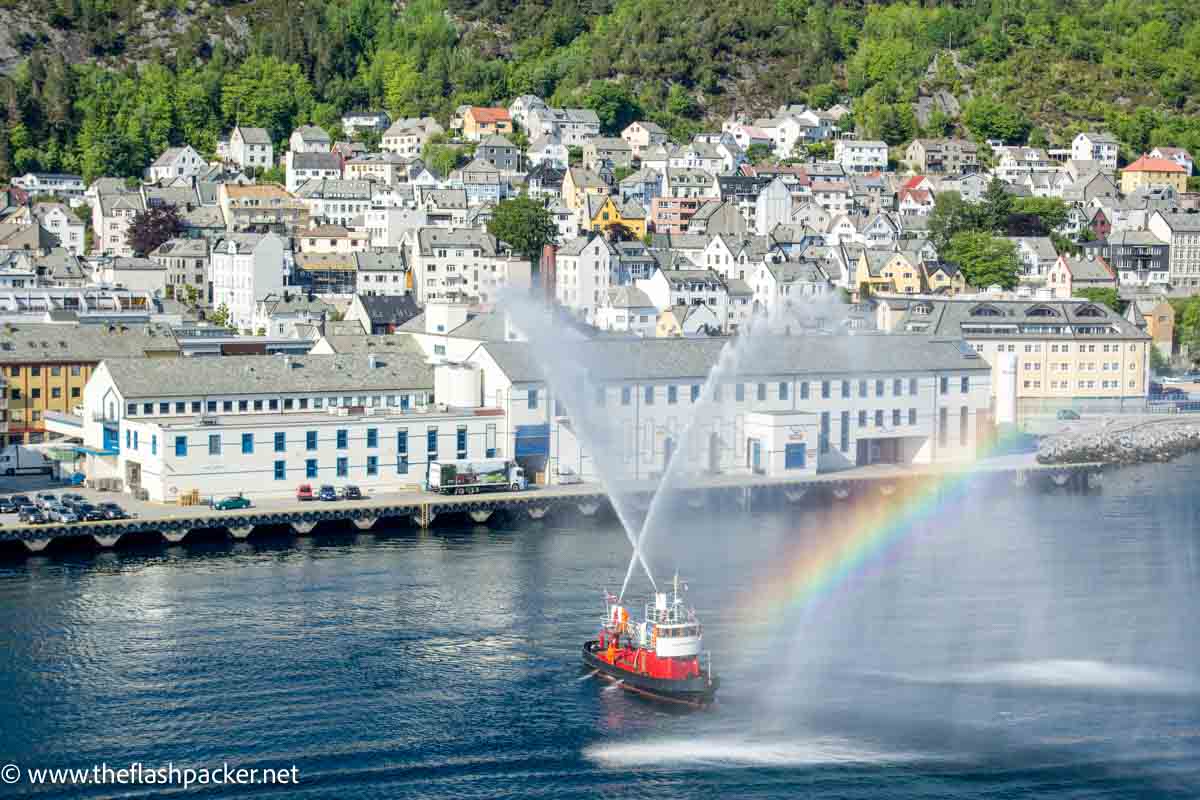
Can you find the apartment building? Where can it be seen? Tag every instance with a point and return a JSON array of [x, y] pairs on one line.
[[1181, 232], [462, 263], [245, 267], [186, 265]]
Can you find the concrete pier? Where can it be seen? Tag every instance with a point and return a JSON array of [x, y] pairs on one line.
[[747, 492]]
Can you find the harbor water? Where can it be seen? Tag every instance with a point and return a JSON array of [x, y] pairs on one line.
[[975, 642]]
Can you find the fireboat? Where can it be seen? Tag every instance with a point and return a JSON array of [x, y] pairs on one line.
[[659, 657]]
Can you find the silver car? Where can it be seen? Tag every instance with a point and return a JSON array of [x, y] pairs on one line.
[[60, 513]]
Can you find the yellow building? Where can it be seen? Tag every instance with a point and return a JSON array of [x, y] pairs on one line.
[[1147, 171], [1067, 352], [889, 271], [944, 279], [604, 213], [46, 366], [579, 184]]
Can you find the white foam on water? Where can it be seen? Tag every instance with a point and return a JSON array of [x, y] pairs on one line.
[[1085, 674], [739, 752]]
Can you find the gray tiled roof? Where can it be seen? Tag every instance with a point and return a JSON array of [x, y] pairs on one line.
[[389, 309], [326, 161], [269, 374], [430, 238], [255, 136], [33, 343], [947, 317], [693, 359]]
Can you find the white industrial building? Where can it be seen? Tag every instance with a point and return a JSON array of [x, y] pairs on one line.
[[802, 405], [263, 425]]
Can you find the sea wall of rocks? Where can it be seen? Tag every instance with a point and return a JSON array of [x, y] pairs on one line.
[[1147, 442]]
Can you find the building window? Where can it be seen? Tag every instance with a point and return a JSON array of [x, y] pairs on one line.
[[372, 465], [897, 387], [845, 390], [280, 470], [824, 441], [963, 414], [153, 444], [181, 446], [74, 391], [944, 385], [372, 437], [55, 393], [343, 439], [942, 425], [626, 395], [804, 390], [966, 384], [258, 406], [878, 418], [401, 465], [460, 441], [649, 395], [195, 406], [287, 404], [672, 395], [862, 388], [214, 444], [212, 406], [343, 467], [402, 442], [128, 438], [310, 440], [862, 419], [844, 444], [824, 396], [879, 388], [130, 409], [783, 390], [273, 405], [310, 468], [147, 408], [912, 386], [431, 442], [533, 399], [247, 442], [895, 418], [912, 416], [243, 405], [280, 442]]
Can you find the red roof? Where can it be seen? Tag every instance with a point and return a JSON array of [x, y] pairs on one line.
[[1148, 164], [914, 182], [482, 114]]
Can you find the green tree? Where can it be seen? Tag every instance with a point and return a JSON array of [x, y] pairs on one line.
[[758, 153], [220, 317], [996, 207], [525, 224], [951, 215], [266, 92], [984, 259], [1158, 362], [1052, 212], [613, 103], [1107, 297], [988, 118], [440, 158]]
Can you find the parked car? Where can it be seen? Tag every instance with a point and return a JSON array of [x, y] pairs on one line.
[[231, 503], [19, 500], [32, 515], [327, 493], [71, 499], [111, 510], [1067, 414], [88, 512], [568, 476], [43, 499], [60, 513], [350, 493], [304, 492], [8, 505]]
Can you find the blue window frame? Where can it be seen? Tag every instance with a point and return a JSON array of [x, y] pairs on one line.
[[824, 441], [862, 419], [626, 395], [431, 444], [672, 395], [214, 444], [878, 418], [824, 391], [343, 466], [695, 392], [762, 392], [804, 390], [533, 399], [895, 418], [649, 395], [343, 439], [280, 470], [944, 385], [897, 387], [310, 468], [372, 437], [912, 385], [280, 442], [181, 446], [966, 384], [401, 465], [912, 416], [783, 390], [862, 388], [879, 388], [247, 442], [402, 442], [310, 440], [135, 440], [128, 438], [372, 465], [739, 392], [153, 444], [404, 402], [460, 441], [844, 444], [845, 389]]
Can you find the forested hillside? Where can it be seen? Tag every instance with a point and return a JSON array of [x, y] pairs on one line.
[[101, 86]]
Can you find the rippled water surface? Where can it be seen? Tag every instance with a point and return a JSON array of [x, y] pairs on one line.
[[1002, 645]]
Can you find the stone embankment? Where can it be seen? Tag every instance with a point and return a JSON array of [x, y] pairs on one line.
[[1160, 440]]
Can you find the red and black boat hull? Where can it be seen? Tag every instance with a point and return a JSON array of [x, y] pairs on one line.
[[697, 691]]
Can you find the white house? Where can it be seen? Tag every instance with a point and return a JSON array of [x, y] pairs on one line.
[[451, 264], [586, 268], [625, 309], [309, 139], [642, 135], [861, 156], [355, 121], [772, 207], [245, 267], [407, 136], [278, 314], [61, 221], [51, 183], [136, 274], [778, 287], [176, 162], [305, 165], [1103, 148], [548, 149], [251, 147]]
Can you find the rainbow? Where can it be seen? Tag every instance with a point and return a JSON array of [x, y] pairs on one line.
[[864, 542]]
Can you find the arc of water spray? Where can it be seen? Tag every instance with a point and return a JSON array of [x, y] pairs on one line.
[[746, 347]]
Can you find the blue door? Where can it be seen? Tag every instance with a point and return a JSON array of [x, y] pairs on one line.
[[794, 456], [112, 439], [756, 456]]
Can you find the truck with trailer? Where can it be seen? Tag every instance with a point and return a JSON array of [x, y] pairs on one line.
[[21, 460], [471, 476]]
